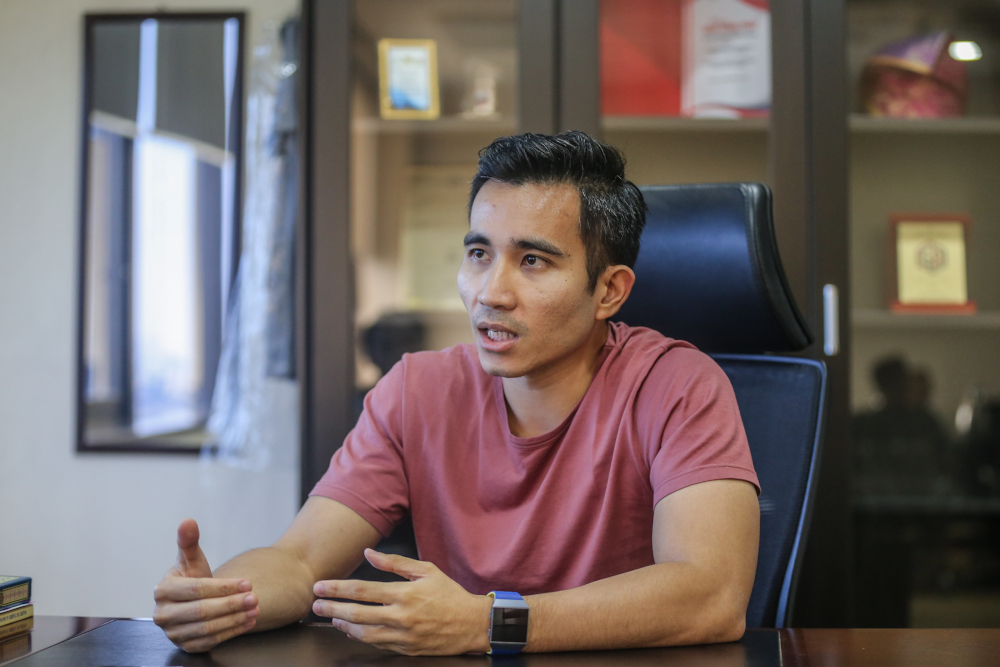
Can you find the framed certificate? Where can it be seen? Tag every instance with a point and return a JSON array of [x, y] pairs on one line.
[[929, 253], [726, 59], [408, 79]]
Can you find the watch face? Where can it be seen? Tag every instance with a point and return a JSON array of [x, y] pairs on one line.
[[510, 625]]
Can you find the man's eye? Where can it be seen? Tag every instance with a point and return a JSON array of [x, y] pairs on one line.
[[477, 253], [533, 260]]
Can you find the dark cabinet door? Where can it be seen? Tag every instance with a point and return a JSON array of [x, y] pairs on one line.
[[362, 239], [385, 195], [798, 146], [925, 313]]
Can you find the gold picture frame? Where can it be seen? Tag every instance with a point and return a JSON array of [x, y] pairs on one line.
[[408, 79], [930, 263]]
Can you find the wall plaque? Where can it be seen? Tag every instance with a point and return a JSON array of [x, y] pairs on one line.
[[929, 253], [408, 79]]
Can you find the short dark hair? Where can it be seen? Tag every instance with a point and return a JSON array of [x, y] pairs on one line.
[[612, 210]]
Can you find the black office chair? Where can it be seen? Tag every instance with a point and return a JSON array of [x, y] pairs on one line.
[[709, 273]]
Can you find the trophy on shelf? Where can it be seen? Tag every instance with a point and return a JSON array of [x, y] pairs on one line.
[[480, 99], [929, 256]]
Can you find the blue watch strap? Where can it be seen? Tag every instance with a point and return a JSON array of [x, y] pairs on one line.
[[509, 612], [507, 595]]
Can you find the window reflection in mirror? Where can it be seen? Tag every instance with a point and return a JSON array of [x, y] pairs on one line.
[[162, 112]]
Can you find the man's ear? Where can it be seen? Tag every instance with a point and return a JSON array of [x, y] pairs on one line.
[[615, 284]]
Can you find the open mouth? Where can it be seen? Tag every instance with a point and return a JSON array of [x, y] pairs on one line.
[[496, 338], [493, 334]]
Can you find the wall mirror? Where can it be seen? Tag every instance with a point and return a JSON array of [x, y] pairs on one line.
[[160, 205]]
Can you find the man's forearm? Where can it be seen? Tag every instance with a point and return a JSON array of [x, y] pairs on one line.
[[666, 604], [325, 541], [281, 582]]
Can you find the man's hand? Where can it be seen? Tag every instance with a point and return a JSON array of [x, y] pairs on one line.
[[428, 615], [195, 610]]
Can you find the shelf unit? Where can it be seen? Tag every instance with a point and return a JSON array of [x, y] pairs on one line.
[[876, 319], [682, 124], [933, 165], [865, 124], [448, 125], [460, 124], [550, 53]]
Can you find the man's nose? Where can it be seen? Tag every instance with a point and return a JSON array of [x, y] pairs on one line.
[[497, 291]]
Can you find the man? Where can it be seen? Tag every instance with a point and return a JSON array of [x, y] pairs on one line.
[[600, 471]]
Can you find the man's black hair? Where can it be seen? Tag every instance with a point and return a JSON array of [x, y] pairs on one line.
[[612, 210]]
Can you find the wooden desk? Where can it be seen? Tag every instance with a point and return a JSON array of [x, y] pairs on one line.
[[48, 631], [91, 642], [888, 648]]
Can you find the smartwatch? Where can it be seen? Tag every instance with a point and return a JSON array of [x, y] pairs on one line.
[[508, 623]]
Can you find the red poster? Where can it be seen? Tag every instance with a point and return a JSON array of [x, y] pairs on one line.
[[641, 57]]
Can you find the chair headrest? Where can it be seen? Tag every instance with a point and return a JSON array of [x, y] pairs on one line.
[[709, 273]]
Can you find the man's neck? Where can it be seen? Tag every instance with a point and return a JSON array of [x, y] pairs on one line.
[[538, 403]]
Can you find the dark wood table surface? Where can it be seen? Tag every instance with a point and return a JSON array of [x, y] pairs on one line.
[[48, 631], [84, 642]]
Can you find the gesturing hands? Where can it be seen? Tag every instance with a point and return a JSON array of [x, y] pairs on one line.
[[195, 610], [428, 615]]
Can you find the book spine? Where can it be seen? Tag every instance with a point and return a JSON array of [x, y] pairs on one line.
[[16, 628], [16, 614], [14, 594]]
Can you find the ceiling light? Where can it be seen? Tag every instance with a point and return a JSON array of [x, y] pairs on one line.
[[965, 51]]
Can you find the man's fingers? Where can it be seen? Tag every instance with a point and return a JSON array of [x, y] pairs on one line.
[[201, 644], [357, 613], [401, 565], [396, 648], [190, 558], [203, 610], [182, 589], [378, 635], [353, 589], [179, 634]]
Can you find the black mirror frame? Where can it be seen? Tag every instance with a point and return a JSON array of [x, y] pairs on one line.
[[236, 133]]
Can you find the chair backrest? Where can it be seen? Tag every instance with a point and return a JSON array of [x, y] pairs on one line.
[[781, 402], [709, 273]]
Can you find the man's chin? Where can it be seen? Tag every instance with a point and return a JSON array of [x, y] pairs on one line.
[[502, 373], [497, 368]]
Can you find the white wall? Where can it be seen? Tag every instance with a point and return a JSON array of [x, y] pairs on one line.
[[95, 531]]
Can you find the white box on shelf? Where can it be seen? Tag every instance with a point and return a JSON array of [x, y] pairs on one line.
[[726, 59]]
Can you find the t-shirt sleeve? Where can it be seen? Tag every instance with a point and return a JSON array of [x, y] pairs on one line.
[[689, 422], [367, 473]]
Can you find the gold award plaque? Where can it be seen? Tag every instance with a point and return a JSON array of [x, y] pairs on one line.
[[931, 264], [408, 79]]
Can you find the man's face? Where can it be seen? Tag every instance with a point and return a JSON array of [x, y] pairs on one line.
[[524, 278]]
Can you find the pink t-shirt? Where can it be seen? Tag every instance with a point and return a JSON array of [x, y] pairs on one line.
[[498, 512]]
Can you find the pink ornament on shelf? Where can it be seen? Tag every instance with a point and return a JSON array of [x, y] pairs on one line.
[[915, 78]]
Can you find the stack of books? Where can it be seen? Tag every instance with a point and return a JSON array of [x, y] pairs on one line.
[[17, 614]]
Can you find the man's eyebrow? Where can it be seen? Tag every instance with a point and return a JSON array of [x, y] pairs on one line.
[[541, 245], [475, 238], [532, 243]]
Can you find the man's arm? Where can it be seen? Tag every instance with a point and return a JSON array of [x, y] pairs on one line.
[[705, 540], [326, 539], [705, 546], [263, 588]]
